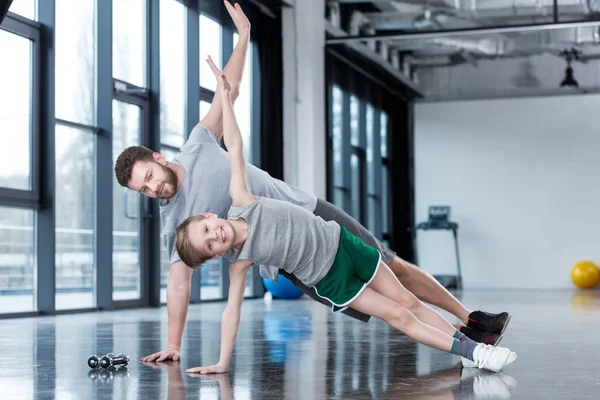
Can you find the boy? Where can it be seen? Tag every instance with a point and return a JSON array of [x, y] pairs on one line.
[[323, 255]]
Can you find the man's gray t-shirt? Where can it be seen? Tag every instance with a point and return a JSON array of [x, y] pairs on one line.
[[205, 186]]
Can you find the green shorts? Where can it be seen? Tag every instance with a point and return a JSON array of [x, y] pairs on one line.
[[353, 268]]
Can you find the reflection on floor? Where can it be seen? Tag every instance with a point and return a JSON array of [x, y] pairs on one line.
[[300, 350]]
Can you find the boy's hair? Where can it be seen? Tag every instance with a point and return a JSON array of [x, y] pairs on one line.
[[187, 253], [126, 161]]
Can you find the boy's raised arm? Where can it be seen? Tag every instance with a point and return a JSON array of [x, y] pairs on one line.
[[238, 185]]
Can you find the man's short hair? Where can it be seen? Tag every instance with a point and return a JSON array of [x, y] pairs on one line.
[[127, 160]]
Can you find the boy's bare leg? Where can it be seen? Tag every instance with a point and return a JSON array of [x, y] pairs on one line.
[[387, 284], [234, 70], [428, 289], [377, 305]]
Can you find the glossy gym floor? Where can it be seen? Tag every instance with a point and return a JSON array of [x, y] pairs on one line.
[[300, 350]]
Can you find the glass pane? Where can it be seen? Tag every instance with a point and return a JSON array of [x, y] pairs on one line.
[[356, 187], [210, 44], [243, 104], [372, 206], [385, 200], [75, 210], [165, 265], [17, 260], [129, 41], [172, 72], [25, 8], [75, 61], [384, 131], [211, 286], [126, 208], [204, 108], [370, 144], [354, 132], [15, 112], [339, 196], [336, 128]]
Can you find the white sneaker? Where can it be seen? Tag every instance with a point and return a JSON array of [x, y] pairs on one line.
[[490, 358]]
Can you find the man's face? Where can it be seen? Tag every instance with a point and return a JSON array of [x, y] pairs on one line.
[[153, 179]]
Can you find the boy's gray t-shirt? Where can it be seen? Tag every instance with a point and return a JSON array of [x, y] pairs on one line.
[[205, 187]]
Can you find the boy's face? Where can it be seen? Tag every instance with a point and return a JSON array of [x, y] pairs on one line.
[[211, 236]]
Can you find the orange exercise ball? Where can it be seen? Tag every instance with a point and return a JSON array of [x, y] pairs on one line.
[[585, 274]]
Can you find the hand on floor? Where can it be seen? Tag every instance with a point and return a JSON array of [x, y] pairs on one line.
[[212, 369], [168, 354]]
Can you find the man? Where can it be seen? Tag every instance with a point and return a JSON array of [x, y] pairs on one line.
[[197, 181]]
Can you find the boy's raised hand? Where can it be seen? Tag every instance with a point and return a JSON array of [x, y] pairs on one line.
[[223, 83]]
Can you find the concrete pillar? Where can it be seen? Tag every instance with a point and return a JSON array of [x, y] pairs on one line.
[[304, 96]]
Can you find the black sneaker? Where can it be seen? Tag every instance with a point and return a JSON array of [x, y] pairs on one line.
[[493, 323], [480, 336]]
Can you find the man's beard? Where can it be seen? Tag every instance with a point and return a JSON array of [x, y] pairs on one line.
[[171, 178]]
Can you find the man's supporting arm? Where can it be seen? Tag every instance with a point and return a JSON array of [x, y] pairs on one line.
[[178, 299]]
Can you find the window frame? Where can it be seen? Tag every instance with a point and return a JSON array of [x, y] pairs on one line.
[[31, 30]]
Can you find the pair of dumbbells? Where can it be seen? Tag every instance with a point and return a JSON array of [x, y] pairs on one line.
[[107, 360]]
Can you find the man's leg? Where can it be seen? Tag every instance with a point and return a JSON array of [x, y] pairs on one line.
[[420, 283], [427, 288], [234, 70]]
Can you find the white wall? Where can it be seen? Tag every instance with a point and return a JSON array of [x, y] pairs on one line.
[[304, 96], [523, 179]]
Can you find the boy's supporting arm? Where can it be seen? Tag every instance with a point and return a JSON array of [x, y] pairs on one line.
[[230, 321]]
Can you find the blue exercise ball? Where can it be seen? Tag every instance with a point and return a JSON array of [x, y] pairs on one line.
[[282, 289]]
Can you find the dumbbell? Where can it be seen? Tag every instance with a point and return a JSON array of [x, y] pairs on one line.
[[107, 361], [93, 361]]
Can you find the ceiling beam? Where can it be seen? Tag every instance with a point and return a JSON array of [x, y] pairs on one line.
[[464, 31]]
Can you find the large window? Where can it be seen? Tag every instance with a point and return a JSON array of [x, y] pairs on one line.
[[129, 38], [127, 125], [71, 237], [19, 167], [17, 260], [15, 112], [75, 61], [172, 72], [75, 210], [210, 44], [362, 151]]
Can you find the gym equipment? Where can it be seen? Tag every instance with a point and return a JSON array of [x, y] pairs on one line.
[[282, 289], [585, 274], [107, 362], [439, 219], [93, 361]]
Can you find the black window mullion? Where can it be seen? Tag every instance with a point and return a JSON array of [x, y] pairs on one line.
[[103, 238], [193, 98], [45, 229]]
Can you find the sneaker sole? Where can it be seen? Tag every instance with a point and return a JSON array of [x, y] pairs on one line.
[[500, 337], [505, 325]]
